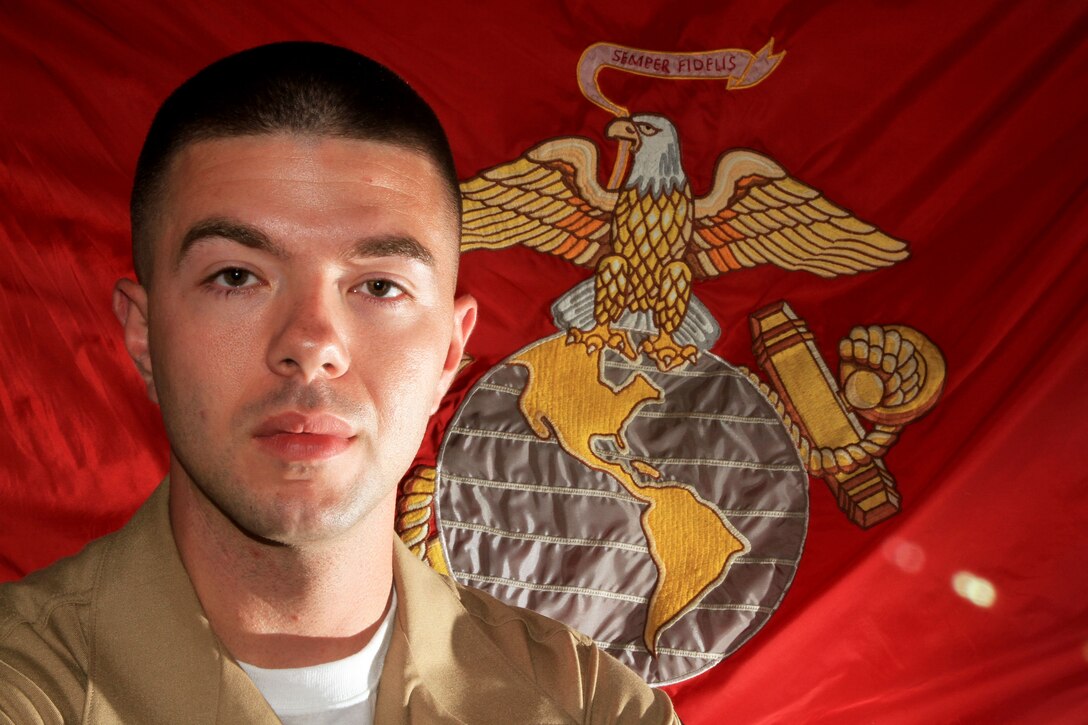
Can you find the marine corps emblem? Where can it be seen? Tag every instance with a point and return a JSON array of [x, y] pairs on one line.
[[618, 475]]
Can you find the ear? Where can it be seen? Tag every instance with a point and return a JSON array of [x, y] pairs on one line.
[[130, 307], [464, 319]]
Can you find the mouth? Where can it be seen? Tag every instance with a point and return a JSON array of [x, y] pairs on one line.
[[301, 437], [623, 129]]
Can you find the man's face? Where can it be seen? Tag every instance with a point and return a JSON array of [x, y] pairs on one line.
[[302, 324]]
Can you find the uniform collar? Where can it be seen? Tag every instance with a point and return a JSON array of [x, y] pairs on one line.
[[443, 664], [154, 657]]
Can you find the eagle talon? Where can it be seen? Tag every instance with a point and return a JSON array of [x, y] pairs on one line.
[[600, 337], [664, 351]]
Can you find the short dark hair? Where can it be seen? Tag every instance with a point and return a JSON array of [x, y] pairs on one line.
[[296, 87]]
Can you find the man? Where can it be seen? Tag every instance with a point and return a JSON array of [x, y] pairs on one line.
[[295, 224]]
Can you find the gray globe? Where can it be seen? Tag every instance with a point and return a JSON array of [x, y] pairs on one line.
[[525, 521]]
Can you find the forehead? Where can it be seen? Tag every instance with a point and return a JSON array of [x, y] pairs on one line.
[[315, 188]]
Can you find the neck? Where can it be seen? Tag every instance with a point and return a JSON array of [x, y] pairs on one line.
[[275, 605]]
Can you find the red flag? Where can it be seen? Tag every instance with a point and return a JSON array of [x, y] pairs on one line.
[[955, 131]]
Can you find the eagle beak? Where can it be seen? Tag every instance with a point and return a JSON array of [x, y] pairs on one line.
[[623, 129]]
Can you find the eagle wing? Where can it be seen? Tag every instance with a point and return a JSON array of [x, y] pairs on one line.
[[756, 213], [548, 199]]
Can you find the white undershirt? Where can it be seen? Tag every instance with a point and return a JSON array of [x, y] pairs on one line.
[[343, 691]]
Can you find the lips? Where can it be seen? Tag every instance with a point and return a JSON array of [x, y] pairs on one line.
[[300, 437]]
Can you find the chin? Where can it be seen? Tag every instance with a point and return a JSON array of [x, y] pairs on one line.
[[310, 509], [297, 502], [295, 525]]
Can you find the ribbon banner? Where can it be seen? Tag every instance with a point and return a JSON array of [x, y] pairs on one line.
[[739, 68]]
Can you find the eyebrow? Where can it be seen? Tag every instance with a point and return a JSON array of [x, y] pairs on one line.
[[244, 234], [249, 236], [390, 246]]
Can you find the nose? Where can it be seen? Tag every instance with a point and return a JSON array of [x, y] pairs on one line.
[[309, 342]]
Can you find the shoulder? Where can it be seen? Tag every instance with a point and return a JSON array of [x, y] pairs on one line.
[[566, 664], [460, 655], [50, 606], [493, 613], [44, 624]]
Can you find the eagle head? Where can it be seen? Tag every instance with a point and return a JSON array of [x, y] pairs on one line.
[[656, 166]]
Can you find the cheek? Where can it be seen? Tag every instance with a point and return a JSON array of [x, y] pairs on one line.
[[202, 361], [406, 368], [406, 373]]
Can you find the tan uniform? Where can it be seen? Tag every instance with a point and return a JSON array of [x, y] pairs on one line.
[[116, 635]]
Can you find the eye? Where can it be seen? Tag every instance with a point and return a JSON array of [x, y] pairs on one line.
[[647, 129], [234, 278], [381, 288]]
